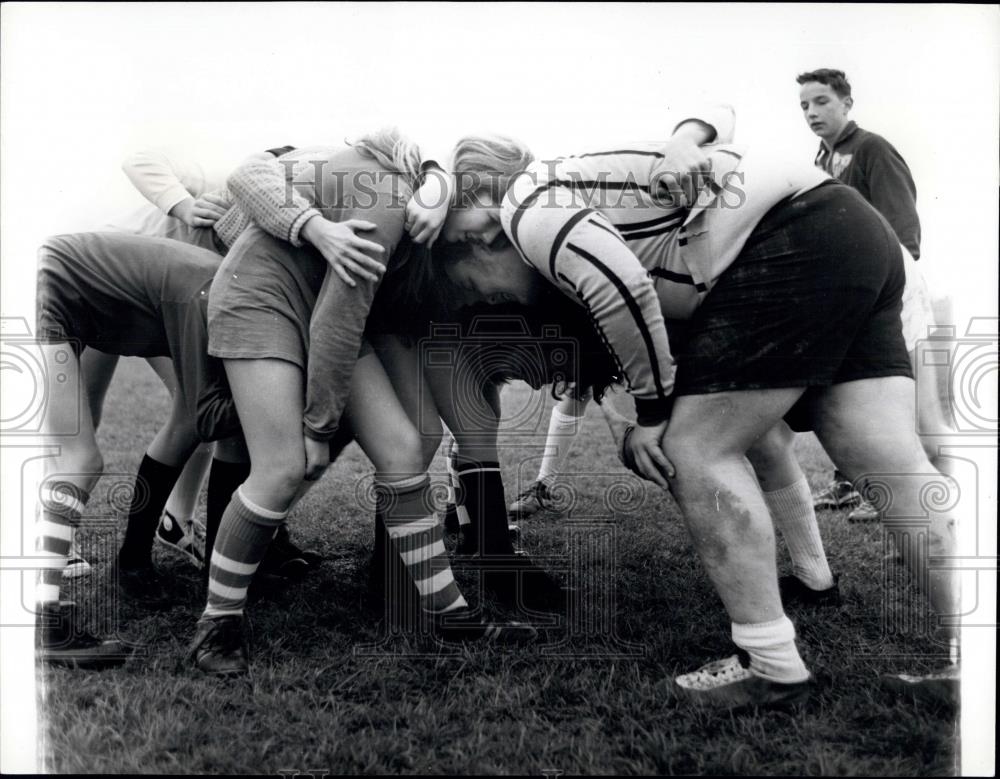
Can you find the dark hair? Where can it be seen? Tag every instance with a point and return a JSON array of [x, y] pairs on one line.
[[835, 79], [590, 363]]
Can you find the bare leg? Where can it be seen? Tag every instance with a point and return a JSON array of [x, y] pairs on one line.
[[401, 364], [730, 526], [773, 460], [70, 478], [786, 493], [382, 425], [889, 456], [269, 398], [934, 423], [73, 473], [183, 498], [176, 439], [98, 369], [67, 411]]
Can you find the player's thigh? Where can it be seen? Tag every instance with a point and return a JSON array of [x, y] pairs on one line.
[[402, 365], [724, 423], [269, 396], [178, 438], [869, 426], [382, 427], [468, 406], [164, 368]]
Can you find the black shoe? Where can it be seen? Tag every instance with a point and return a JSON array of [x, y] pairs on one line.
[[283, 560], [452, 526], [144, 587], [451, 523], [516, 581], [537, 497], [469, 547], [463, 624], [61, 641], [218, 647], [283, 541], [795, 591]]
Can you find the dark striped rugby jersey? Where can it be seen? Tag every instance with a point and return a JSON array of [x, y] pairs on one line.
[[134, 295], [601, 227]]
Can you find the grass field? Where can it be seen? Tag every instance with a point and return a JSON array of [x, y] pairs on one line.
[[332, 693]]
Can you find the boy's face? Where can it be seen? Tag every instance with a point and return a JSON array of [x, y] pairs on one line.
[[824, 110]]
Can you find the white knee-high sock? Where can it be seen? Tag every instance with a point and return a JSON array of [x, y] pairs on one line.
[[772, 650], [455, 496], [792, 510], [562, 433]]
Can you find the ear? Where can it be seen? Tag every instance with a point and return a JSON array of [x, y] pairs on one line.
[[849, 102]]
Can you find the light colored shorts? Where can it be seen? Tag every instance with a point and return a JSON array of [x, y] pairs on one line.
[[917, 314]]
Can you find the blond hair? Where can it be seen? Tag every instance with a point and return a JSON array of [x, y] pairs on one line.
[[487, 164], [393, 151]]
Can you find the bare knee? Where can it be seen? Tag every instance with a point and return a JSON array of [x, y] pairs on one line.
[[83, 459], [773, 460], [690, 454], [405, 456], [278, 479]]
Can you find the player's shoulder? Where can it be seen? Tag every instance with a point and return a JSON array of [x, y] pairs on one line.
[[870, 142]]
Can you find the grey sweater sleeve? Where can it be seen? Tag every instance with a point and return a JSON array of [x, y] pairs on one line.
[[279, 195]]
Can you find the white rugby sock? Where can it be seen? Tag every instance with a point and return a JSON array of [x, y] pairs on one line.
[[562, 433], [455, 496], [771, 646], [792, 510]]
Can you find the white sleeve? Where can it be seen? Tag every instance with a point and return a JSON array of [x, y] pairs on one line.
[[580, 252], [164, 179], [719, 116]]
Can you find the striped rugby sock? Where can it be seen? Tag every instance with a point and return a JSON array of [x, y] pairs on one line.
[[62, 505], [244, 534], [418, 538], [482, 488]]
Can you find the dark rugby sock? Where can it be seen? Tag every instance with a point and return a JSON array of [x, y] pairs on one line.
[[153, 484], [483, 498], [223, 480]]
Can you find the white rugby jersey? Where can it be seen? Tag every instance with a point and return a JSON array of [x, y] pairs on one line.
[[602, 228]]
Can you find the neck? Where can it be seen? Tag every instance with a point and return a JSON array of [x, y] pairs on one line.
[[832, 140]]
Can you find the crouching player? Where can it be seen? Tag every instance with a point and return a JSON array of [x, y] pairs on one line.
[[792, 298], [289, 333], [123, 295]]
